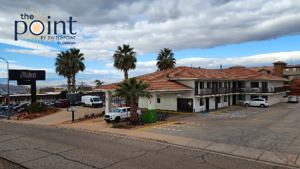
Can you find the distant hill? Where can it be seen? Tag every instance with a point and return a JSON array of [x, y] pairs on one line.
[[13, 88]]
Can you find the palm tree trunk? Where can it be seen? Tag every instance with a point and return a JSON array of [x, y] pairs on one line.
[[73, 83], [69, 84], [126, 74], [126, 78], [133, 111]]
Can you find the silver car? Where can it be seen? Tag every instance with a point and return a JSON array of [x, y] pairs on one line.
[[293, 99], [261, 102]]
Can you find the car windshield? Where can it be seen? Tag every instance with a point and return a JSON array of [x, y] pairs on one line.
[[96, 99], [117, 111], [66, 101], [292, 97]]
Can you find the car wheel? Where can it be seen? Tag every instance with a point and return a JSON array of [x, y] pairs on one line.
[[93, 105], [247, 105], [117, 120], [101, 105], [60, 106], [262, 105]]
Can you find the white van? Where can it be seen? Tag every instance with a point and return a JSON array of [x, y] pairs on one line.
[[93, 101]]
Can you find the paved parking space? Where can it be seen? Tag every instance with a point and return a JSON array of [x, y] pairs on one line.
[[275, 128]]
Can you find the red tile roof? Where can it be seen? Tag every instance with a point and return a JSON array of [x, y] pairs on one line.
[[164, 80], [279, 62]]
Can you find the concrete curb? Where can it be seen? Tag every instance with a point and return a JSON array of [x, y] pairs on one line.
[[234, 151]]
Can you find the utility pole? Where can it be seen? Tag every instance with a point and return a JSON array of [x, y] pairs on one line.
[[8, 96]]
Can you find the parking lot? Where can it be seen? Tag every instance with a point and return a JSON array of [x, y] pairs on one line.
[[4, 114], [275, 128]]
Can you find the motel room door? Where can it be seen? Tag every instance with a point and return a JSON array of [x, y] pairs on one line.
[[185, 105]]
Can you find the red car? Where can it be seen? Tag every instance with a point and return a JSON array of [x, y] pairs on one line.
[[23, 105], [62, 103]]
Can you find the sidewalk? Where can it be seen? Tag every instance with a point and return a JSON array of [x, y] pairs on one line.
[[100, 126]]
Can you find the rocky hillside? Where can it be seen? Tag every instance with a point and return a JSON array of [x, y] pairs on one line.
[[13, 88]]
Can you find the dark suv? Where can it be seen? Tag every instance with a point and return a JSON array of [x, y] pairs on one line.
[[62, 103]]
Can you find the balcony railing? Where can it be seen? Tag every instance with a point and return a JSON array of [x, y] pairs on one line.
[[214, 91]]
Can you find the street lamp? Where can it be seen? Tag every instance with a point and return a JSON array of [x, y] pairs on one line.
[[8, 97]]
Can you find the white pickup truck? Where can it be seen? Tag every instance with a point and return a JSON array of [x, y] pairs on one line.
[[118, 114]]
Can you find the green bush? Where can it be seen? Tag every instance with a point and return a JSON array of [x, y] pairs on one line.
[[86, 116], [36, 108]]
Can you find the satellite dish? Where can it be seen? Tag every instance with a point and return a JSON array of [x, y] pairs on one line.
[[176, 74]]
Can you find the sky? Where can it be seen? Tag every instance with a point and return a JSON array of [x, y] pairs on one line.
[[201, 33]]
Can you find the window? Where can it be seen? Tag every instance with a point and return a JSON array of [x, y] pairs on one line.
[[265, 97], [254, 96], [208, 85], [225, 98], [218, 99], [27, 99], [128, 109], [287, 69], [225, 84], [294, 69], [254, 84], [220, 84], [241, 97], [241, 84], [201, 102], [201, 85], [158, 100]]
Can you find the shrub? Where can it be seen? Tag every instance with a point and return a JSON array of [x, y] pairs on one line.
[[86, 116], [36, 108], [93, 114]]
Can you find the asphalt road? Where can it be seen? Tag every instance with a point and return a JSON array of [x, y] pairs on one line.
[[275, 128], [47, 147]]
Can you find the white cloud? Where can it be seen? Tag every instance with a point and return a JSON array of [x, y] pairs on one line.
[[89, 55], [214, 63], [25, 44], [149, 26]]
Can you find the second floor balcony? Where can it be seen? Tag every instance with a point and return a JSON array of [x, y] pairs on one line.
[[227, 90]]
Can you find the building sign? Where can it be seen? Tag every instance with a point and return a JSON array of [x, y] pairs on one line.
[[23, 75], [38, 27]]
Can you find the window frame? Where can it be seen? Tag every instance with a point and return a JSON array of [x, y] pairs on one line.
[[158, 100], [255, 86]]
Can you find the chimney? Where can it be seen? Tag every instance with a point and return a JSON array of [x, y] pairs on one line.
[[220, 69], [278, 68]]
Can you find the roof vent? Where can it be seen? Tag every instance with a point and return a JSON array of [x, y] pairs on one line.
[[176, 74], [199, 67]]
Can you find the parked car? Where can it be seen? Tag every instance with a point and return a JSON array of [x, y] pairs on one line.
[[62, 103], [3, 106], [22, 105], [118, 114], [293, 99], [14, 105], [257, 102], [285, 94]]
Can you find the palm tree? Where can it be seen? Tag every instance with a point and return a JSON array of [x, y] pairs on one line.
[[133, 90], [124, 59], [165, 59], [76, 64], [98, 83], [63, 66]]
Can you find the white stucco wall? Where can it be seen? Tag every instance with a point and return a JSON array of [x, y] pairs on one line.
[[167, 102]]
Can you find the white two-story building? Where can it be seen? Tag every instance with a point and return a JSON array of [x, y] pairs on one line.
[[195, 90]]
